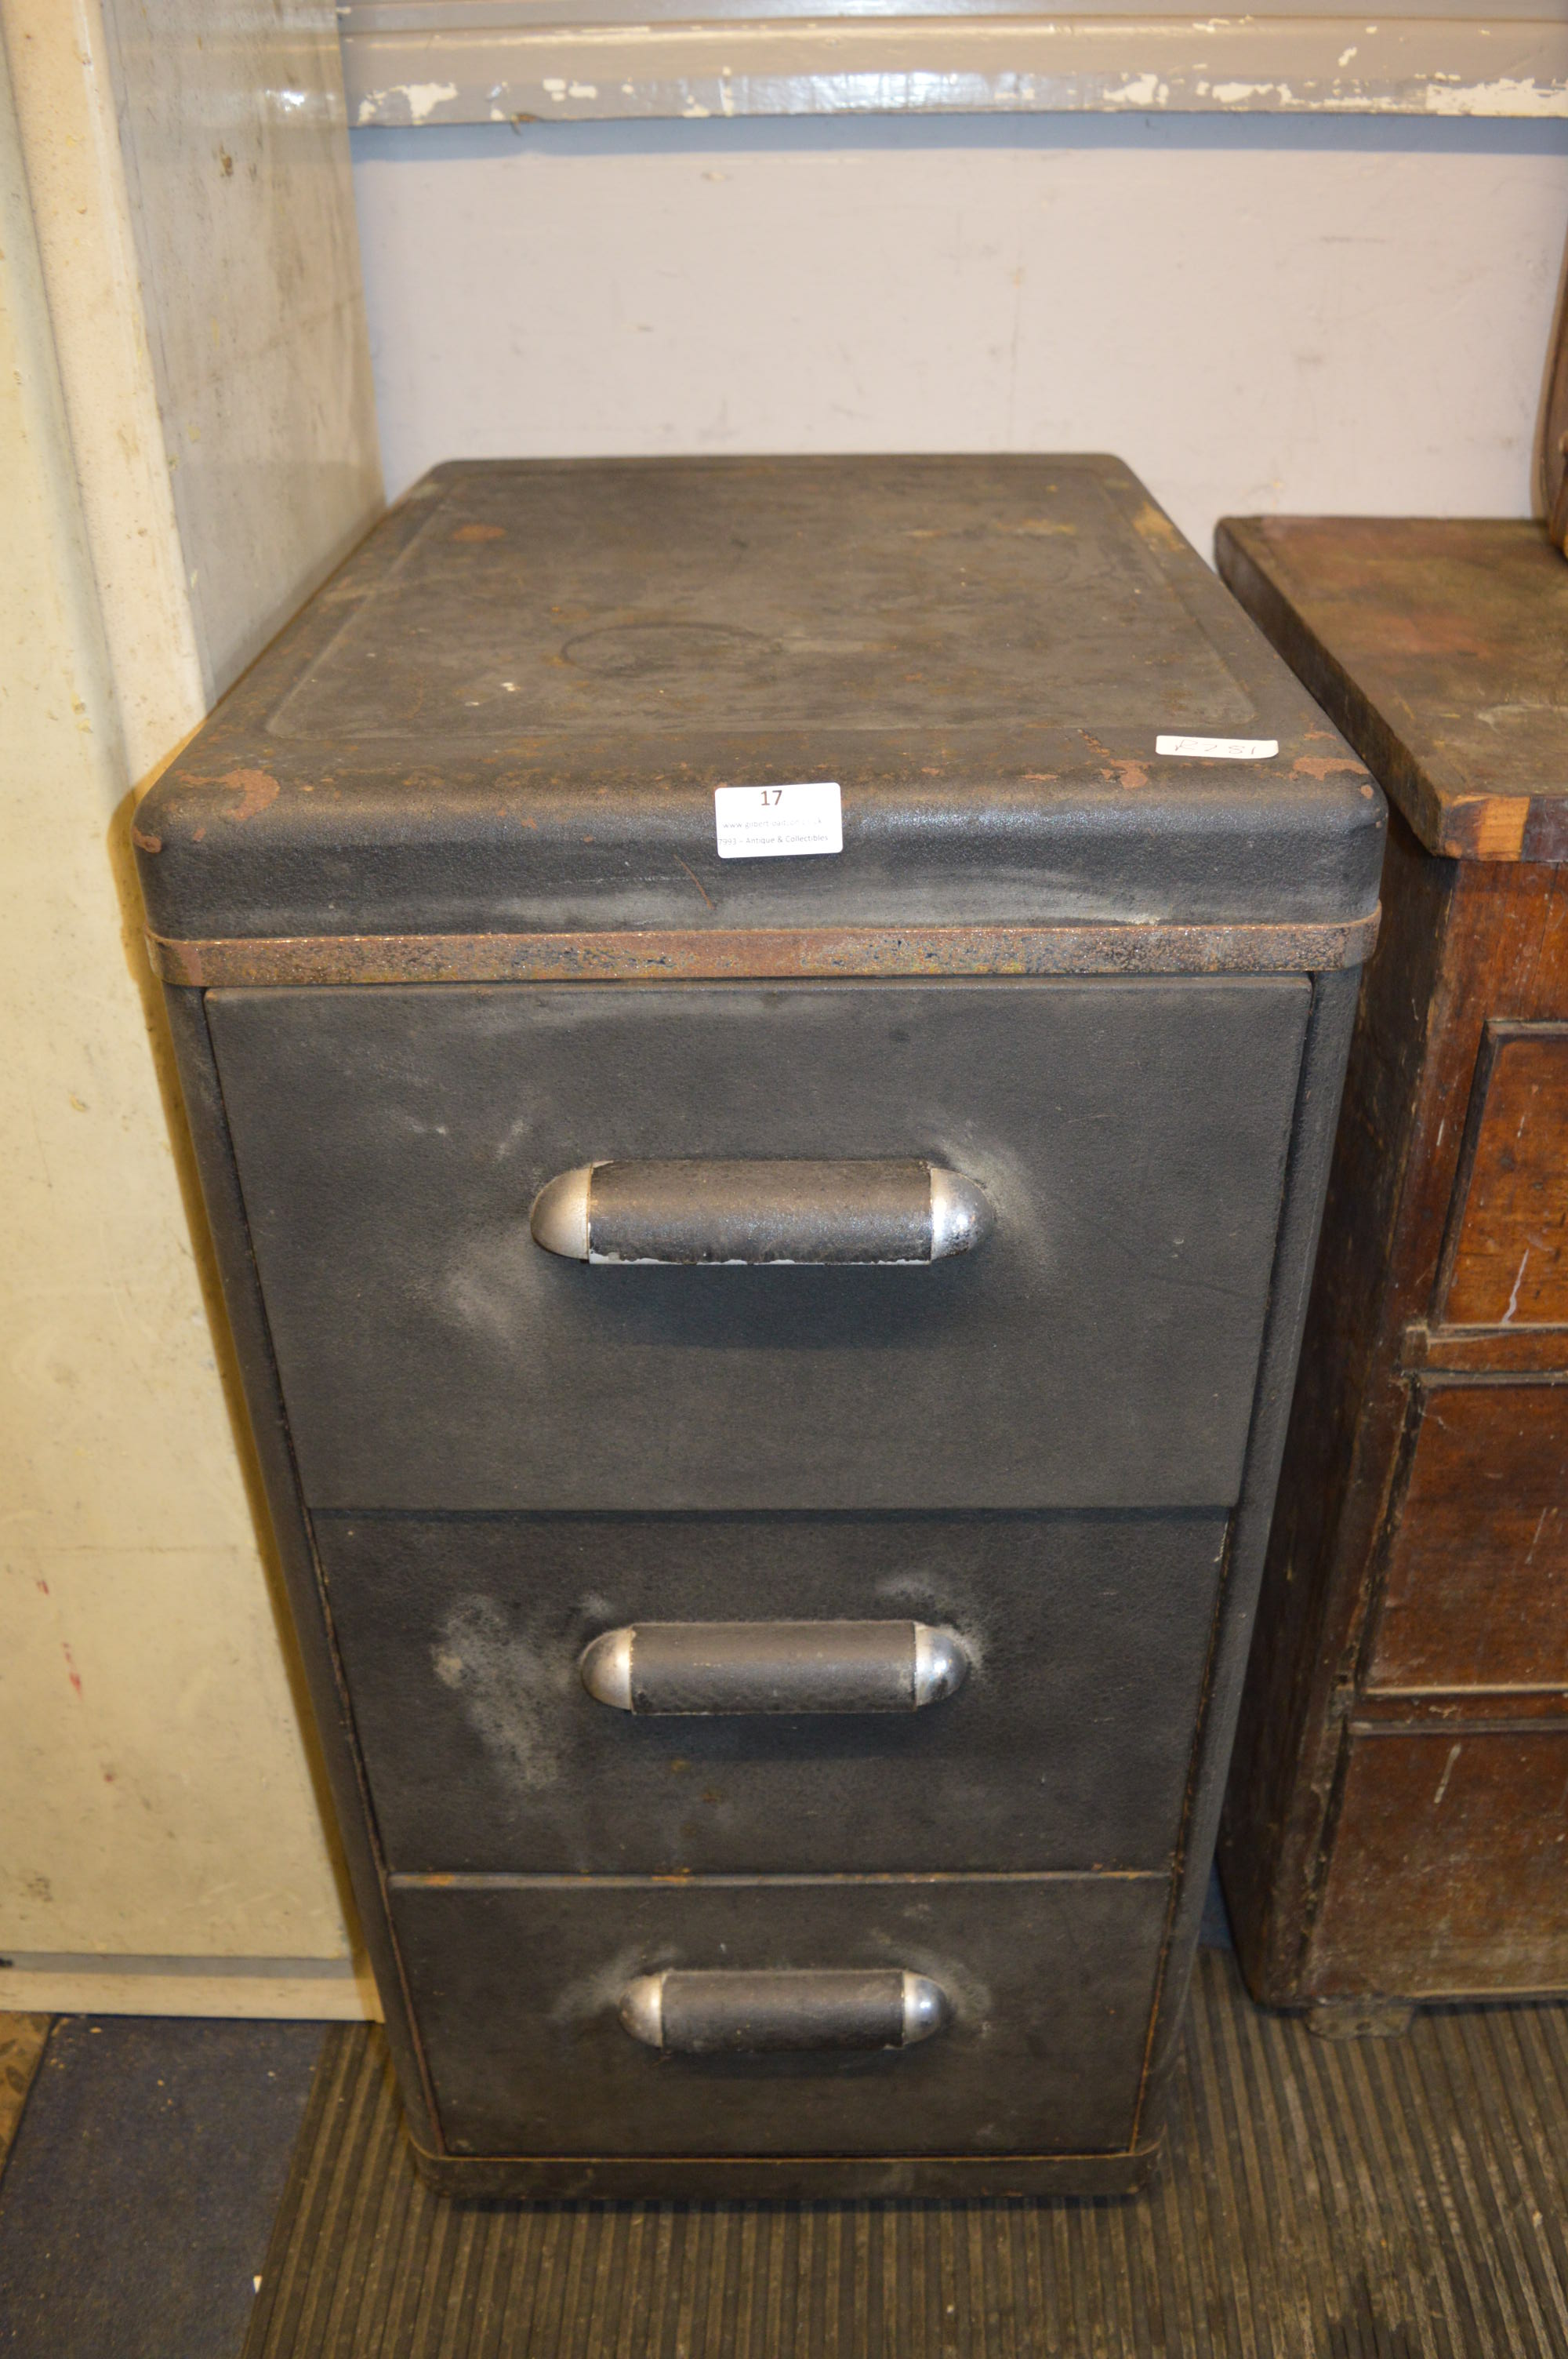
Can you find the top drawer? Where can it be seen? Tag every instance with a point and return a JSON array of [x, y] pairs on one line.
[[1099, 1350]]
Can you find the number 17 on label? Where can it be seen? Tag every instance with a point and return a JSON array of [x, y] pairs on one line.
[[774, 822]]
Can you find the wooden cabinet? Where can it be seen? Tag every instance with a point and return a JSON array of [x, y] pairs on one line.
[[1397, 1818]]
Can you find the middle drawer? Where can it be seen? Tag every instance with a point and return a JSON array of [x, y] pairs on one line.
[[1067, 1747]]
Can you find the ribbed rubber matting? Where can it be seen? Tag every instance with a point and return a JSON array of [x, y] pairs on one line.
[[1386, 2197]]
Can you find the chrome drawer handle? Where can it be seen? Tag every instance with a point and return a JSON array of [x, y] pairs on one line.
[[693, 1212], [745, 1667], [719, 2014]]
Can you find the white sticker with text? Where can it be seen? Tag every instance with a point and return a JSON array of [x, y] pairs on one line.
[[768, 822], [1220, 749]]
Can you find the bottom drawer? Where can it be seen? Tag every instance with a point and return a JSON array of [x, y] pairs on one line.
[[517, 1985], [1446, 1876]]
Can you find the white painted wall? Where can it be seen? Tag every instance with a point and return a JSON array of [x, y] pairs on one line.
[[186, 443], [1259, 314]]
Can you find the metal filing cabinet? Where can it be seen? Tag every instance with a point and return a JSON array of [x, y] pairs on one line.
[[762, 1038]]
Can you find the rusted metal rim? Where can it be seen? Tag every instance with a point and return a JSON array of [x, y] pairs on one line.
[[761, 954]]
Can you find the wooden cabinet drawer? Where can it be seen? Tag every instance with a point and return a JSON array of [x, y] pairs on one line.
[[517, 1986], [1099, 1350], [1067, 1747], [1477, 1569], [1508, 1261], [1448, 1874]]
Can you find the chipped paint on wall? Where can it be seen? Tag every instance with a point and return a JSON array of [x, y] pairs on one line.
[[589, 61], [1508, 96], [404, 102]]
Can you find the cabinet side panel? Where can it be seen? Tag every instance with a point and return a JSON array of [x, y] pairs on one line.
[[1335, 1461], [253, 1350], [1317, 1105]]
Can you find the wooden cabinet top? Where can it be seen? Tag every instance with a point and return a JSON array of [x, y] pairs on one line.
[[1439, 646]]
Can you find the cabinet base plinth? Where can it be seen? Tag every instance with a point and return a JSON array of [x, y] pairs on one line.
[[782, 2178]]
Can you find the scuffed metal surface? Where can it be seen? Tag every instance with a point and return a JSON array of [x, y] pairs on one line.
[[472, 732], [757, 952], [443, 61]]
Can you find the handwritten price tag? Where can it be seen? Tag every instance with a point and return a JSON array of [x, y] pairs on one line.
[[1219, 749]]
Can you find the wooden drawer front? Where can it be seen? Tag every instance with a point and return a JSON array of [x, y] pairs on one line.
[[1067, 1745], [516, 1984], [1447, 1873], [1099, 1350], [1476, 1588], [1510, 1255]]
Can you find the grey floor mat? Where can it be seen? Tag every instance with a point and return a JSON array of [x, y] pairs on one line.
[[1371, 2200], [144, 2182]]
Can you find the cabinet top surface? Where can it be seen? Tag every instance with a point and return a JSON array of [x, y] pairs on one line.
[[513, 705], [1440, 647]]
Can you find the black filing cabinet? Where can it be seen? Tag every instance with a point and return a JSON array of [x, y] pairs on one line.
[[762, 1039]]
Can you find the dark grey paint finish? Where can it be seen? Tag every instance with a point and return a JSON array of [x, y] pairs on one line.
[[829, 1664], [806, 2010], [1386, 2201], [1066, 1747], [510, 709], [1099, 1350], [980, 653], [1051, 1979], [759, 1212], [291, 1535], [962, 2172], [1317, 1112]]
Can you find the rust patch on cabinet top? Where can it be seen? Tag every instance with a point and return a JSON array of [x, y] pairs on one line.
[[1323, 766], [255, 788]]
